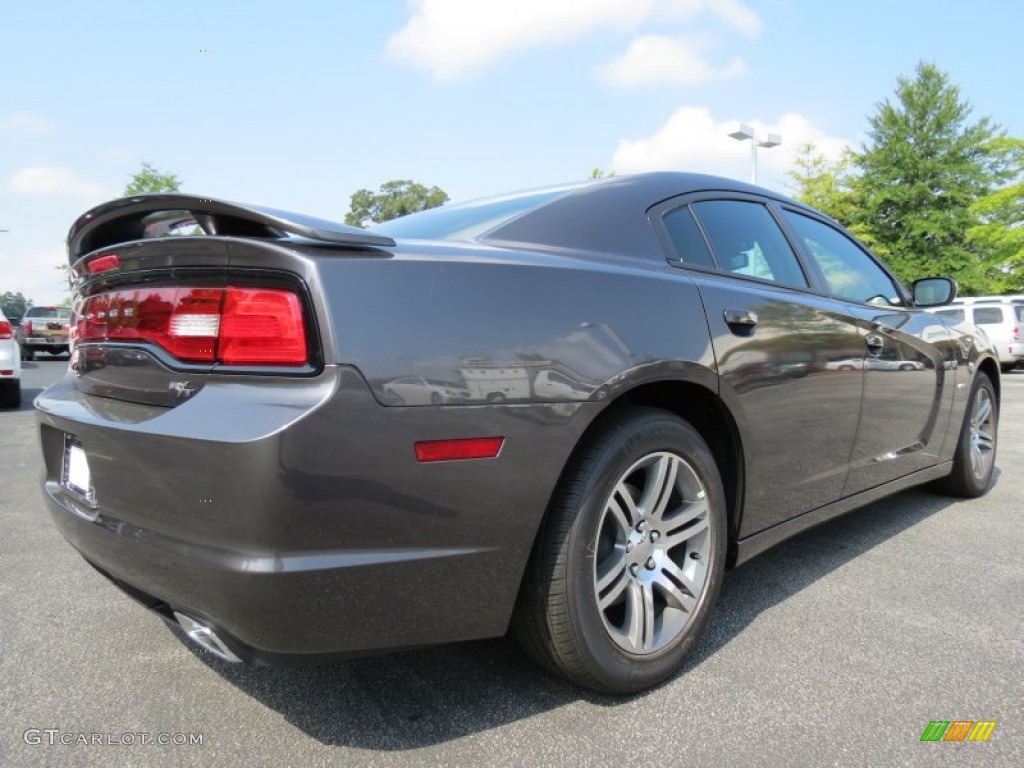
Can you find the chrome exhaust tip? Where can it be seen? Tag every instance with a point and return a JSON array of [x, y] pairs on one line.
[[203, 636]]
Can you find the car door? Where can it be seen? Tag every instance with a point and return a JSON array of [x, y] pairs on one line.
[[773, 340], [907, 352]]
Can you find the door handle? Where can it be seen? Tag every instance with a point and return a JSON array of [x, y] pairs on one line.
[[741, 321]]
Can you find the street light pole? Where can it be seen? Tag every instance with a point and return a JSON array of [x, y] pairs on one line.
[[746, 133]]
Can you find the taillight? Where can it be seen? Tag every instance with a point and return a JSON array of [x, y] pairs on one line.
[[233, 326], [6, 332], [103, 263], [27, 326], [1016, 333], [261, 327]]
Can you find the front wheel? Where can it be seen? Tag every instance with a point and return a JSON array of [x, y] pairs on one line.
[[630, 558], [975, 457]]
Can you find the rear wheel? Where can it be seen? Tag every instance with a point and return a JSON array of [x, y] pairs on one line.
[[10, 394], [630, 558], [27, 353], [1007, 367], [975, 455]]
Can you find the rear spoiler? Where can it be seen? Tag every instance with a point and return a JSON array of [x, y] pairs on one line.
[[127, 218]]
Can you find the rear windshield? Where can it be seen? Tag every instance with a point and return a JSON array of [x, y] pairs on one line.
[[467, 220], [61, 312]]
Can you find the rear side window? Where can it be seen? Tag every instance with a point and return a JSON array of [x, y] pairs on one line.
[[1018, 312], [747, 241], [988, 315], [687, 239]]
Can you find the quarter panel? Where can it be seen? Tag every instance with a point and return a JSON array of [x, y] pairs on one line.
[[490, 327]]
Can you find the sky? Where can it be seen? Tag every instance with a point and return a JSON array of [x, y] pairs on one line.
[[297, 105]]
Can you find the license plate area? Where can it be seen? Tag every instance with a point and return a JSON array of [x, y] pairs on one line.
[[76, 478]]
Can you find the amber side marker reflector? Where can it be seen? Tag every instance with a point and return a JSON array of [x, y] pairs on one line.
[[455, 450]]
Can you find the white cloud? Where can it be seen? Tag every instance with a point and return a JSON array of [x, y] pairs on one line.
[[454, 38], [55, 182], [659, 60], [23, 122], [693, 140], [736, 15]]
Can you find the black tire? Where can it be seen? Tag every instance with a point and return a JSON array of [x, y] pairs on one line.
[[964, 481], [435, 398], [907, 367], [10, 394], [1007, 367], [558, 619], [28, 354], [496, 397]]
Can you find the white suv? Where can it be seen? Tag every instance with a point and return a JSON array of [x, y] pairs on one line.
[[10, 365], [1002, 320]]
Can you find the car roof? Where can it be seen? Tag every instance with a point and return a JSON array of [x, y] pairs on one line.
[[599, 215], [610, 214]]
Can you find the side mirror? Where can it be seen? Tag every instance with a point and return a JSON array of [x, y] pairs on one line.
[[933, 291], [738, 261]]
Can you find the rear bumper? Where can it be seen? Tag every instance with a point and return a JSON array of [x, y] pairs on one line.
[[45, 341], [10, 361], [294, 518]]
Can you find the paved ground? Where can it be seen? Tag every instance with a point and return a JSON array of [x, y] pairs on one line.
[[836, 648]]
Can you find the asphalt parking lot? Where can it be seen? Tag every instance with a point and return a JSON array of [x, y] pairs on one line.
[[835, 648]]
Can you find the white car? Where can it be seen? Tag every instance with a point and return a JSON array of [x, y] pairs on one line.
[[415, 390], [1002, 320], [10, 365], [557, 386]]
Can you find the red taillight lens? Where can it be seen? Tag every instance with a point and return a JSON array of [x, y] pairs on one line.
[[1016, 333], [234, 326], [6, 332], [103, 263], [27, 326], [261, 327]]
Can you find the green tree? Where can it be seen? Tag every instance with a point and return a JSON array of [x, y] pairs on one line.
[[599, 173], [998, 231], [923, 168], [148, 179], [396, 198], [824, 184], [14, 304]]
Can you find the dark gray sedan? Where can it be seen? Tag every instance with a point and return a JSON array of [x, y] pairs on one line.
[[565, 411]]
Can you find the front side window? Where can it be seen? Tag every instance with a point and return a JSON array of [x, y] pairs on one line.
[[849, 272], [747, 241]]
